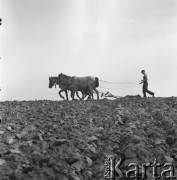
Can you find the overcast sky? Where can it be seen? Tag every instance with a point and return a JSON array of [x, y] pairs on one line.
[[110, 39]]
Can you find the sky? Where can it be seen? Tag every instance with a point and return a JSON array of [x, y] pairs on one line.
[[109, 39]]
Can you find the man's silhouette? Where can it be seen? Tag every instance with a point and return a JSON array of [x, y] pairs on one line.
[[145, 85]]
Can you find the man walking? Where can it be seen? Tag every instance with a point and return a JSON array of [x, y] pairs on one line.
[[145, 85]]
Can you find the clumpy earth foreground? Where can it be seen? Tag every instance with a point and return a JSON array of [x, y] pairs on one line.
[[58, 140]]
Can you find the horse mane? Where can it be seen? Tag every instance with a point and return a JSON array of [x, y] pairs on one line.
[[65, 76], [54, 77]]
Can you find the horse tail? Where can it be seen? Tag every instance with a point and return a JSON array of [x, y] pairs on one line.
[[97, 82]]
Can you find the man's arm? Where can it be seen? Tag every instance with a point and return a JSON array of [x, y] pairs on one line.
[[141, 81], [144, 79]]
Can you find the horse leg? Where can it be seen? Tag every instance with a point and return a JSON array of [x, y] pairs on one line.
[[97, 93], [83, 95], [66, 93], [72, 93], [75, 90], [89, 97], [90, 92], [60, 94], [78, 95]]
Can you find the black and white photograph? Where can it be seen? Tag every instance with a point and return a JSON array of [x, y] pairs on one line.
[[88, 89]]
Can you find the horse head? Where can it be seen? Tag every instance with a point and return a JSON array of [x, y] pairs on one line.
[[52, 81]]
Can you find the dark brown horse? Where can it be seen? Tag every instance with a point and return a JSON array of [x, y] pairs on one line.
[[64, 87], [53, 80], [86, 84]]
